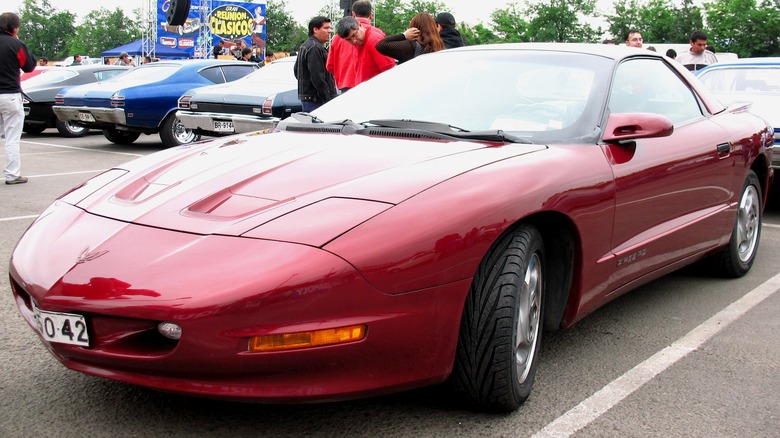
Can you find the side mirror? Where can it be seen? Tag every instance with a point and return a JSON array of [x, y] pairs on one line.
[[632, 126]]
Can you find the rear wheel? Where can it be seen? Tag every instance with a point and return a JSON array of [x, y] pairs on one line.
[[736, 259], [69, 129], [501, 328], [174, 133], [121, 137]]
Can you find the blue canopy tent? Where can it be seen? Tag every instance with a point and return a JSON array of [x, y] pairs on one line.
[[136, 50]]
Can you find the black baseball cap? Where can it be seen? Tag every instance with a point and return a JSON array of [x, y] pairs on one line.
[[445, 18]]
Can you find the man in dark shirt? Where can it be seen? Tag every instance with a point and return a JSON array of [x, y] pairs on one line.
[[449, 35], [315, 84], [14, 56]]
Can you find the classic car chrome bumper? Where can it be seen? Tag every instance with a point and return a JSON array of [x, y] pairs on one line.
[[89, 114], [215, 122]]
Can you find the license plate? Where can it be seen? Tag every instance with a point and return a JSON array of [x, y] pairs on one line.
[[223, 126], [63, 328], [86, 117]]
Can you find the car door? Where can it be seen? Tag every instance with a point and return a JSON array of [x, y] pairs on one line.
[[670, 191]]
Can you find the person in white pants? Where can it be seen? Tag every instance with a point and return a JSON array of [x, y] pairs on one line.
[[14, 56]]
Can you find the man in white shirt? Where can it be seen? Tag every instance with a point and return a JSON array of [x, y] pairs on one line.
[[697, 57]]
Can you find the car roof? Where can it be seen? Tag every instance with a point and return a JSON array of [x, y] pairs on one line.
[[613, 51]]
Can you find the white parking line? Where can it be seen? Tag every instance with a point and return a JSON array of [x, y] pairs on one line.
[[16, 218], [604, 399], [770, 225], [81, 149]]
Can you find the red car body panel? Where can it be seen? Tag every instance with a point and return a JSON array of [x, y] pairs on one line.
[[285, 232]]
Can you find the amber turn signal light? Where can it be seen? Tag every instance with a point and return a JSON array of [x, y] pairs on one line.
[[314, 338]]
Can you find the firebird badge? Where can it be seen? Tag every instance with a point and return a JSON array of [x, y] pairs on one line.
[[86, 255]]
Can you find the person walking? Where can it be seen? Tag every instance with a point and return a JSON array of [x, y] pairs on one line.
[[449, 35], [14, 56], [316, 85]]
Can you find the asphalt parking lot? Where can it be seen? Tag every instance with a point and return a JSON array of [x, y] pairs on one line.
[[687, 355]]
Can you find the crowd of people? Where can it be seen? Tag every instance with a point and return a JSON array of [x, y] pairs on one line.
[[360, 51], [698, 56]]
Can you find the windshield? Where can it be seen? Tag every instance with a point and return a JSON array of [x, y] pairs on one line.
[[51, 76], [551, 96], [749, 79]]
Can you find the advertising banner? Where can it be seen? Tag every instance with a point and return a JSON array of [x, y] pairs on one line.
[[236, 24]]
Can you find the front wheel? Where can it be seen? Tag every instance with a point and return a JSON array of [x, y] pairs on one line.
[[501, 328], [121, 137], [70, 129], [174, 133], [736, 259]]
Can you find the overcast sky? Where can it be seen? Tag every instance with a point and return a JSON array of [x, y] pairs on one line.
[[468, 11]]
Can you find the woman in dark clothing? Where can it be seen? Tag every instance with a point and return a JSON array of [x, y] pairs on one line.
[[422, 36]]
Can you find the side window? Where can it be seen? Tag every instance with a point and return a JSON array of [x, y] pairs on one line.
[[103, 75], [233, 72], [214, 74], [650, 86]]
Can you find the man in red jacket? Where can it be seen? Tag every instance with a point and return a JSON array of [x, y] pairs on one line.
[[369, 61], [342, 55], [14, 56]]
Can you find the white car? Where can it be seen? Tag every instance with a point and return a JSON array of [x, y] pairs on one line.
[[755, 80]]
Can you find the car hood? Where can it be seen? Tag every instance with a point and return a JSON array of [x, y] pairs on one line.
[[240, 93], [271, 185]]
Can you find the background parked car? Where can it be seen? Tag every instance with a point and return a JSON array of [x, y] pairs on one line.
[[39, 91], [145, 99], [256, 102], [755, 80]]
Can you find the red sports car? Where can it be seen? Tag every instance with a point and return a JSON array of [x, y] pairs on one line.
[[426, 226]]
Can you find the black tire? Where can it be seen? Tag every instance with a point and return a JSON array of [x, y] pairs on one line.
[[501, 328], [33, 129], [121, 137], [70, 130], [177, 12], [174, 133], [736, 259]]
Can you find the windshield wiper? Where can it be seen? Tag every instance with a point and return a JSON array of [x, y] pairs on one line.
[[449, 130]]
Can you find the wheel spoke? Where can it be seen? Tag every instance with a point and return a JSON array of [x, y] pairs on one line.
[[529, 310]]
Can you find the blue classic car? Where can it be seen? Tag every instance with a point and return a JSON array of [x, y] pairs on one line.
[[144, 100], [257, 102]]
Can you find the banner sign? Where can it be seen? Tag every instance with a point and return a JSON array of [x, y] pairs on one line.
[[237, 24]]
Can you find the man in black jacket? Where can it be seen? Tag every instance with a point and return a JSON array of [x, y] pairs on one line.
[[449, 35], [315, 84], [14, 56]]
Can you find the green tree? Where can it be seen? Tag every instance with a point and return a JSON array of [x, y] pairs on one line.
[[508, 25], [626, 17], [559, 21], [478, 34], [45, 30], [283, 34], [743, 27], [102, 29]]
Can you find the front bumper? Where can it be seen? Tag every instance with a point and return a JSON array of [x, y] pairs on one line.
[[207, 122], [88, 115]]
